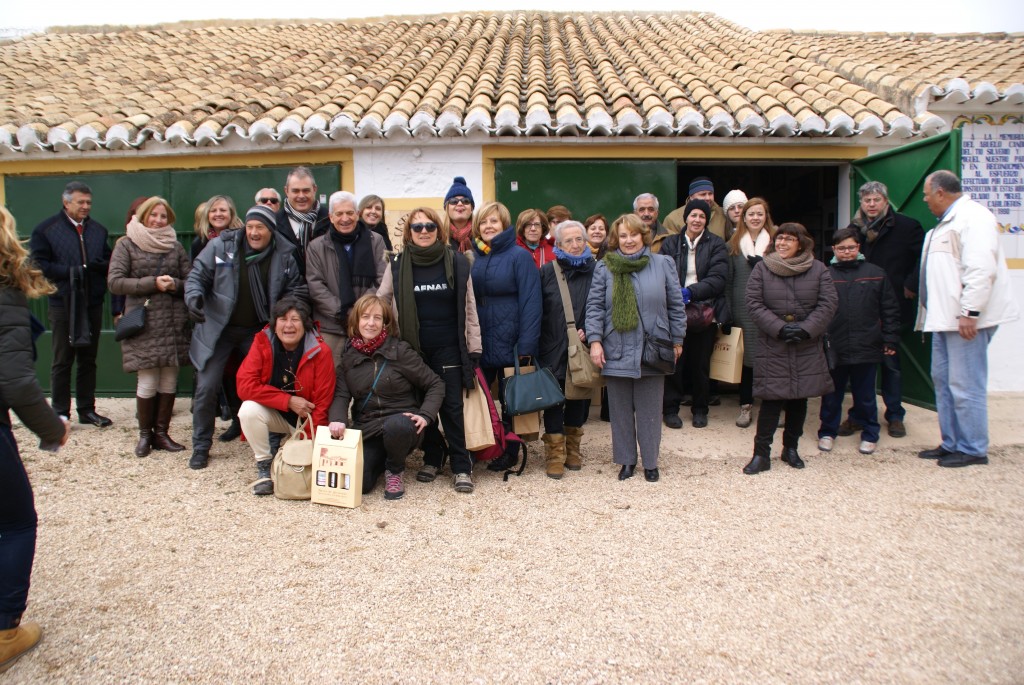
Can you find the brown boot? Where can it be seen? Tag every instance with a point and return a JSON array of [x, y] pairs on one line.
[[573, 458], [554, 451], [17, 641], [146, 410], [164, 411]]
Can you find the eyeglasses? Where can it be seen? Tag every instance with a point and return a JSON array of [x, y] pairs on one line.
[[533, 224], [460, 201], [845, 248], [268, 201], [423, 228], [785, 239]]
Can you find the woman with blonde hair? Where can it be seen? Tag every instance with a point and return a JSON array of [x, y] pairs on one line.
[[371, 213], [747, 246], [431, 296], [20, 391], [150, 266], [219, 215]]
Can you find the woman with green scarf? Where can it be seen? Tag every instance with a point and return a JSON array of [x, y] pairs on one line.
[[635, 294], [432, 299]]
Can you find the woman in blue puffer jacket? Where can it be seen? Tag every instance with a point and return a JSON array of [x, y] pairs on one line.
[[507, 288]]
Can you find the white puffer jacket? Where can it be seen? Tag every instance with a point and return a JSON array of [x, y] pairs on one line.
[[963, 269]]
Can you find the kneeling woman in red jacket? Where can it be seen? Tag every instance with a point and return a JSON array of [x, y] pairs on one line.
[[287, 376]]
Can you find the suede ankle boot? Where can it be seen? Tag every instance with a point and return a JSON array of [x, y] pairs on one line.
[[554, 451], [573, 456], [15, 642]]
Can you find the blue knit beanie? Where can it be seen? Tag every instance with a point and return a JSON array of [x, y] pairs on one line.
[[460, 189], [700, 184]]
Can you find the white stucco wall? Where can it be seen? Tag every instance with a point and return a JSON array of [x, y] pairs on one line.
[[417, 171], [1006, 354]]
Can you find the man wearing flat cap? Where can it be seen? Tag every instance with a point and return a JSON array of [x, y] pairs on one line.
[[234, 283], [701, 188]]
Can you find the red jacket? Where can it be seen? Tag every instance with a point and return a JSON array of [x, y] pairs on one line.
[[314, 379], [542, 255]]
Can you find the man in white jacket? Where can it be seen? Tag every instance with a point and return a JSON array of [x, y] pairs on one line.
[[965, 294]]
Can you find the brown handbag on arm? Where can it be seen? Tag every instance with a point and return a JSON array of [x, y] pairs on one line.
[[581, 374]]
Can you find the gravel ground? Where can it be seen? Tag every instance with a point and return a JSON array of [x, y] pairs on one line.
[[881, 569]]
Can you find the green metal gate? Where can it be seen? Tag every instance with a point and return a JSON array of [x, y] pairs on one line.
[[903, 171]]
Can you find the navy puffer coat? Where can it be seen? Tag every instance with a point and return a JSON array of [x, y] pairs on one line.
[[508, 300]]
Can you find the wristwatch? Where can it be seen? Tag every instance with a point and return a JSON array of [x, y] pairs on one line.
[[970, 313]]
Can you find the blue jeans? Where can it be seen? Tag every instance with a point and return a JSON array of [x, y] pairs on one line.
[[864, 410], [17, 531], [960, 374], [892, 388]]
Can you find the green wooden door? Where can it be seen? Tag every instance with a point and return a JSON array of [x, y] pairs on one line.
[[584, 186], [31, 199], [903, 171]]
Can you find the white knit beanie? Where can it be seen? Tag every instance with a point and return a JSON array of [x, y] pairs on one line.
[[734, 197]]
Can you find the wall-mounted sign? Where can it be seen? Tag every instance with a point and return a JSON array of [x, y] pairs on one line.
[[993, 173]]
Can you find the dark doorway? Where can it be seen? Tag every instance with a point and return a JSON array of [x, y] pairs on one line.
[[805, 193]]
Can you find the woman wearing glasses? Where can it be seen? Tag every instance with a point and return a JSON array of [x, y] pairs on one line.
[[220, 215], [287, 376], [531, 235], [341, 266], [432, 300], [791, 299]]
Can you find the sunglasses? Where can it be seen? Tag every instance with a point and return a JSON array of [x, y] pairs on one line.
[[423, 228], [460, 201], [268, 201]]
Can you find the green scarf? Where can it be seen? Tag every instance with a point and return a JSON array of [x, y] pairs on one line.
[[405, 298], [625, 310]]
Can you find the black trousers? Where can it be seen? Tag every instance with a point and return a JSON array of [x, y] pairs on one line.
[[445, 362], [17, 531], [768, 421], [389, 449], [573, 414], [693, 371], [64, 356]]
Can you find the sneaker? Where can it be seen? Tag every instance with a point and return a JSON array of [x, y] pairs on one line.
[[745, 419], [393, 488], [848, 427], [427, 473], [463, 482], [867, 447], [897, 429], [825, 444]]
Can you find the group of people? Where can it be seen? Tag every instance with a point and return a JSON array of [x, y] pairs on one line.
[[331, 327]]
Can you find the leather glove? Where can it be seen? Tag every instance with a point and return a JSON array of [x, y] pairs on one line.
[[196, 314], [475, 358], [753, 260], [686, 295], [793, 333], [726, 328]]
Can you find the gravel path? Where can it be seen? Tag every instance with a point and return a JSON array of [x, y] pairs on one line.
[[881, 569]]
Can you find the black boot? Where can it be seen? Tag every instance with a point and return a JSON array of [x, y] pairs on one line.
[[263, 485], [199, 459], [164, 411], [757, 465], [146, 409], [790, 456], [233, 431]]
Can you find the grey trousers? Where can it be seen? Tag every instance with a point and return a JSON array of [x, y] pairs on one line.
[[209, 380], [634, 405]]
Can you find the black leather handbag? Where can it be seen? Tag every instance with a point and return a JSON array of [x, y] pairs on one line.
[[131, 324], [526, 393]]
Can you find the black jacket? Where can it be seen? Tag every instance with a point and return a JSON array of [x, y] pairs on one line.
[[897, 249], [56, 248], [712, 262], [868, 315], [553, 343], [284, 230]]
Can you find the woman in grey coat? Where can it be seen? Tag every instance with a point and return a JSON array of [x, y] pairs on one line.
[[635, 292], [149, 265], [791, 299]]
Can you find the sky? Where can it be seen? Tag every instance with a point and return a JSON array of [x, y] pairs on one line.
[[938, 16]]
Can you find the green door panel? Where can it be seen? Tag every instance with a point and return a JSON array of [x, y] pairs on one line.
[[903, 171], [584, 186], [34, 198]]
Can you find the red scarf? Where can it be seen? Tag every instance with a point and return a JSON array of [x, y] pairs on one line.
[[462, 237], [368, 347]]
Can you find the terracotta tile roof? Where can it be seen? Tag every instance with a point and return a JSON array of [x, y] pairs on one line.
[[485, 75]]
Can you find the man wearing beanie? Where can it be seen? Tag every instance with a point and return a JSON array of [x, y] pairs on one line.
[[458, 213], [701, 188], [301, 217], [234, 283]]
